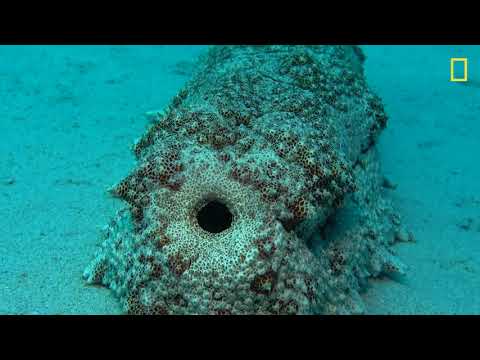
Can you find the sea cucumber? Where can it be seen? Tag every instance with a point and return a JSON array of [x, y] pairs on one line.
[[257, 191]]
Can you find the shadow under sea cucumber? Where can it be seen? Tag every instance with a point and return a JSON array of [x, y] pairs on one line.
[[258, 191]]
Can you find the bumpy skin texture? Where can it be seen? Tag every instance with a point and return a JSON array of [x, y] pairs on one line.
[[283, 136]]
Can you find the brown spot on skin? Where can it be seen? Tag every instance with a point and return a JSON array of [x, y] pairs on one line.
[[157, 270], [158, 309], [99, 273], [137, 213], [134, 307], [288, 308], [179, 300], [121, 189], [147, 170], [299, 211], [178, 265], [310, 294], [337, 261], [224, 157], [222, 312], [266, 247], [264, 284], [161, 241], [174, 186], [290, 224]]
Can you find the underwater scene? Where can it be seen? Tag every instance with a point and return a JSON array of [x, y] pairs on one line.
[[232, 180]]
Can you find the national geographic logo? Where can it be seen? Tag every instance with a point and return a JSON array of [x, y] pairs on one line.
[[459, 73]]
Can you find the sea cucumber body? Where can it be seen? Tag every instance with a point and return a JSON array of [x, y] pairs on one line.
[[284, 137]]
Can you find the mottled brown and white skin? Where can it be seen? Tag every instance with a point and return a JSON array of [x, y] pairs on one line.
[[257, 191]]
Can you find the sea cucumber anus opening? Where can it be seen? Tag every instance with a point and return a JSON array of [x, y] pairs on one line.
[[214, 217]]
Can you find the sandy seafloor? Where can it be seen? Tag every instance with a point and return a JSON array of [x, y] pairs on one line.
[[69, 114]]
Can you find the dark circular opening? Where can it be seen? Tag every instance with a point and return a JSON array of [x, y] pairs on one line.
[[214, 217]]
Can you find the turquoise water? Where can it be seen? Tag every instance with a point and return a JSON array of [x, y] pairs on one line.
[[69, 115]]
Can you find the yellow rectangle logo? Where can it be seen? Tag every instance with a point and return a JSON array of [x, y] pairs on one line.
[[465, 69]]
